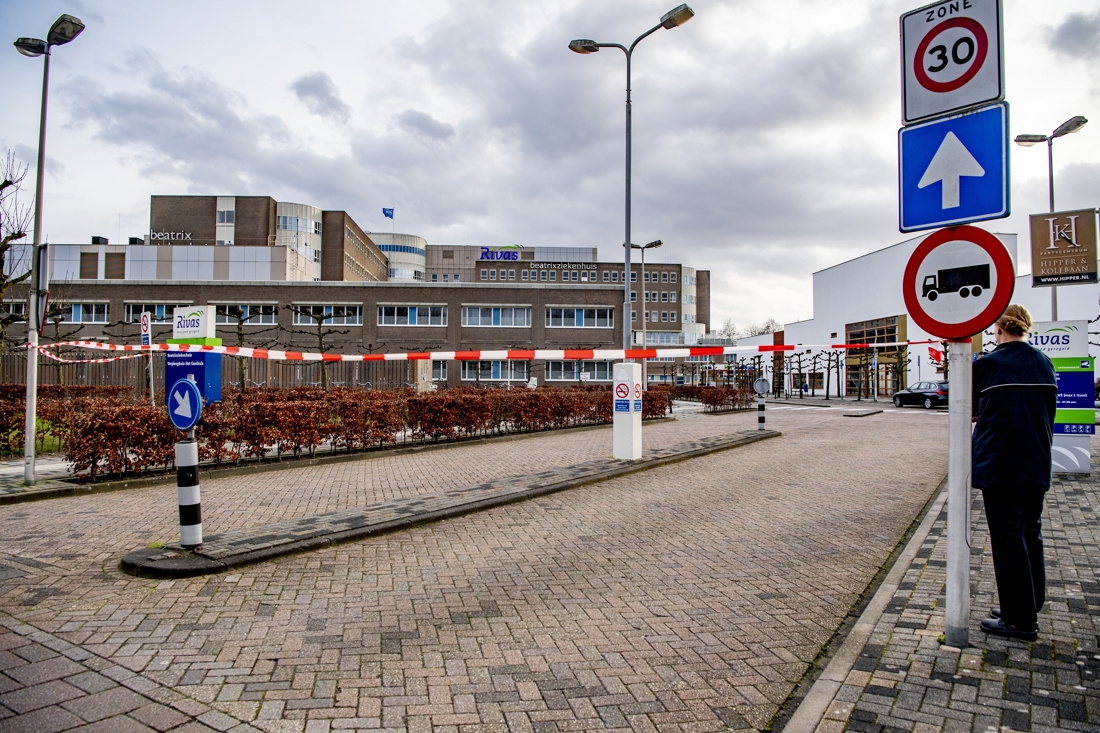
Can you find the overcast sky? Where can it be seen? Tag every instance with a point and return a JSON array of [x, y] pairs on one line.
[[765, 131]]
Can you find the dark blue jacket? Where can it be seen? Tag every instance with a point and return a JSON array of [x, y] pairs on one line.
[[1015, 394]]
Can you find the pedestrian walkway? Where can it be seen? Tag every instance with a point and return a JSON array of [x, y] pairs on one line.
[[901, 678]]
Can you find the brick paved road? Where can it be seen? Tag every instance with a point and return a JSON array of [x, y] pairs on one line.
[[689, 597], [905, 680]]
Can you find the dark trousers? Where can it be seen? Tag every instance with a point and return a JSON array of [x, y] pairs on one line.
[[1015, 536]]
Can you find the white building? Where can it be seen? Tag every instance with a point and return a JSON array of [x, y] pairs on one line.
[[407, 253], [860, 301]]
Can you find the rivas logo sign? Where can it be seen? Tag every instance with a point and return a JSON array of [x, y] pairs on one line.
[[189, 320], [1058, 339], [507, 252], [193, 321]]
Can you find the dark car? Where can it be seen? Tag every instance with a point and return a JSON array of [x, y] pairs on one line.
[[925, 394]]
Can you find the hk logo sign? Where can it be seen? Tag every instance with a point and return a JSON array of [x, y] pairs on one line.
[[1063, 248]]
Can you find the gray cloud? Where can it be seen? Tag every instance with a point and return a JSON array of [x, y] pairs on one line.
[[320, 96], [28, 156], [421, 123], [762, 162], [1078, 36]]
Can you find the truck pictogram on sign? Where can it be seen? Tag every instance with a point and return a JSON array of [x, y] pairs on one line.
[[965, 281]]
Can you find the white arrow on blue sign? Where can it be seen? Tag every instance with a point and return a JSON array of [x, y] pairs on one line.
[[954, 170], [184, 404]]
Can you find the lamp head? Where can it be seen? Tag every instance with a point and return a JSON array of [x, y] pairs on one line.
[[583, 46], [64, 29], [654, 244], [1073, 124], [1028, 140], [677, 16], [30, 46]]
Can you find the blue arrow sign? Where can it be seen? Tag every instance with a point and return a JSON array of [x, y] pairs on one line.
[[184, 404], [954, 170]]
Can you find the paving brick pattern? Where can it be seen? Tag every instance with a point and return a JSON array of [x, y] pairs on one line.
[[48, 684], [690, 597], [906, 681], [265, 536]]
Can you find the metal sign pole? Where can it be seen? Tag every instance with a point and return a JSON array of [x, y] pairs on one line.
[[958, 496]]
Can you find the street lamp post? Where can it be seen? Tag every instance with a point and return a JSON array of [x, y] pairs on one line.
[[676, 17], [64, 29], [645, 316], [1073, 124]]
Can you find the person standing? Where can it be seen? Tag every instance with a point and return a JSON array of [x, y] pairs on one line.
[[1015, 393]]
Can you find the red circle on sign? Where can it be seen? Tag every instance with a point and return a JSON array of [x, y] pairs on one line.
[[637, 391], [979, 55], [622, 391], [1006, 282]]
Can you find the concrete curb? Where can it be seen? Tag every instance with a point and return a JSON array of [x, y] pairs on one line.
[[862, 414], [811, 711], [174, 562], [59, 488]]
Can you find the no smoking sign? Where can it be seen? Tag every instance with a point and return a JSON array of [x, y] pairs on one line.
[[951, 57], [958, 281]]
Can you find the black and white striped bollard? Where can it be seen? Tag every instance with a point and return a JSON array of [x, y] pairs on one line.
[[760, 412], [187, 491]]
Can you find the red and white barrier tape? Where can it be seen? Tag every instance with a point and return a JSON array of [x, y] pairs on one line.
[[486, 355]]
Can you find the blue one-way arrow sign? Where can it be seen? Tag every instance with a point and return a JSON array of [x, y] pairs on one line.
[[954, 170]]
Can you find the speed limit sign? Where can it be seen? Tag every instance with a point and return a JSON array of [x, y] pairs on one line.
[[951, 57]]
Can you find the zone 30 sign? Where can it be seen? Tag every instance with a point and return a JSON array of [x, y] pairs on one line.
[[951, 57]]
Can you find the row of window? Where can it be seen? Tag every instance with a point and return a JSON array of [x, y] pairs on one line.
[[412, 315], [297, 224], [227, 216], [446, 277], [403, 248], [351, 315], [505, 316], [661, 316], [666, 296], [491, 274], [406, 273], [255, 315], [360, 245], [580, 317], [520, 371], [329, 315]]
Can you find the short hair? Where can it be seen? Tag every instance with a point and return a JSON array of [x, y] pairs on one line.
[[1015, 320]]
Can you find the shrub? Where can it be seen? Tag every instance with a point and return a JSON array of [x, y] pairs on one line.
[[105, 431]]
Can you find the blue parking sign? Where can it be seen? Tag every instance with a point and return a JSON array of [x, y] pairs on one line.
[[954, 170]]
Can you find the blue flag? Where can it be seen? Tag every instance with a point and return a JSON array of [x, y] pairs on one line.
[[388, 213]]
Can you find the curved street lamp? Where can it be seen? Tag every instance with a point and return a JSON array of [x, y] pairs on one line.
[[63, 30], [676, 17], [1073, 124]]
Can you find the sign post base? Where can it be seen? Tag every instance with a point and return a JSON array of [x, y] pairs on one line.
[[626, 405]]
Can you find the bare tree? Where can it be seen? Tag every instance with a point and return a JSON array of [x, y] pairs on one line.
[[319, 319], [728, 330], [15, 216], [241, 316], [758, 329]]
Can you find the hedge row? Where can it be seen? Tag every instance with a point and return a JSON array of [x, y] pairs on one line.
[[714, 399], [111, 435]]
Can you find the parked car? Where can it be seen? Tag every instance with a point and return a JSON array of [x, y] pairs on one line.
[[925, 394]]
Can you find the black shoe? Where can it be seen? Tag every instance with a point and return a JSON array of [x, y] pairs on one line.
[[998, 627], [995, 613]]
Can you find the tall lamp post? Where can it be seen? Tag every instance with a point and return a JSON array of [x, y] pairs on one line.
[[676, 17], [63, 30], [645, 343], [1073, 124]]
